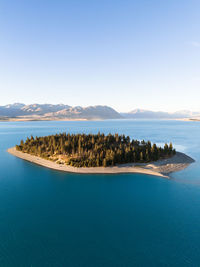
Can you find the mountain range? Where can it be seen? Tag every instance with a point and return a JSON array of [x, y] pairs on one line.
[[19, 111], [148, 114]]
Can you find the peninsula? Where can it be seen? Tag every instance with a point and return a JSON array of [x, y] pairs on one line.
[[99, 153]]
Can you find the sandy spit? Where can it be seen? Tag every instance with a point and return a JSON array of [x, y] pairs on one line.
[[160, 168]]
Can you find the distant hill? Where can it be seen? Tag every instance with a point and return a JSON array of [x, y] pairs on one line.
[[60, 111], [20, 111], [148, 114]]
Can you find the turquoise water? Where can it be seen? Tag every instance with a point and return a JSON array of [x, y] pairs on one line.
[[49, 218]]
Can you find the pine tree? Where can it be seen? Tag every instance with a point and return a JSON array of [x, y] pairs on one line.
[[170, 148], [95, 150]]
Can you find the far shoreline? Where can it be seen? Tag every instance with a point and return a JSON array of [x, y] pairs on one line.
[[67, 119], [161, 168]]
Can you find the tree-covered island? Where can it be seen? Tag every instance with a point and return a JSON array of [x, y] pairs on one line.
[[94, 150]]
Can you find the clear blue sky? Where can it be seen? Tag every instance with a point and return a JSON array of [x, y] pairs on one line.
[[125, 54]]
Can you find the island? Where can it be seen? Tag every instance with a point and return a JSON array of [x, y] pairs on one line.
[[100, 153]]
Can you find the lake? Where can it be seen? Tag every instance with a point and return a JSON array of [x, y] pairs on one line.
[[50, 218]]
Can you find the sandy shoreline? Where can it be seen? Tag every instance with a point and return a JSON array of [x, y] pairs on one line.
[[160, 168], [37, 118]]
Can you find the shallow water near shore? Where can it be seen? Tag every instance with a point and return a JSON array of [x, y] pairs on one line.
[[50, 218]]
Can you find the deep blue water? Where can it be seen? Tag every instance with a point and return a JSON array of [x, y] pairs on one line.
[[49, 218]]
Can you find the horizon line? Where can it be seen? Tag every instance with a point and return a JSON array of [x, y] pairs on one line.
[[95, 105]]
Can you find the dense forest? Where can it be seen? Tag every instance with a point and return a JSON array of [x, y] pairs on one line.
[[94, 150]]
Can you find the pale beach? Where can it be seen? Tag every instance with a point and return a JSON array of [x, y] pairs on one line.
[[161, 168]]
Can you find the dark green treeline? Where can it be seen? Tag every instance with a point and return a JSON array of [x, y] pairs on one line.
[[94, 150]]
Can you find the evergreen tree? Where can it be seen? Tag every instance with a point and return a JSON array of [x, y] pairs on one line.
[[92, 150]]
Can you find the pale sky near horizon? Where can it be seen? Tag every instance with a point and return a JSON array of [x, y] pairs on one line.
[[123, 53]]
